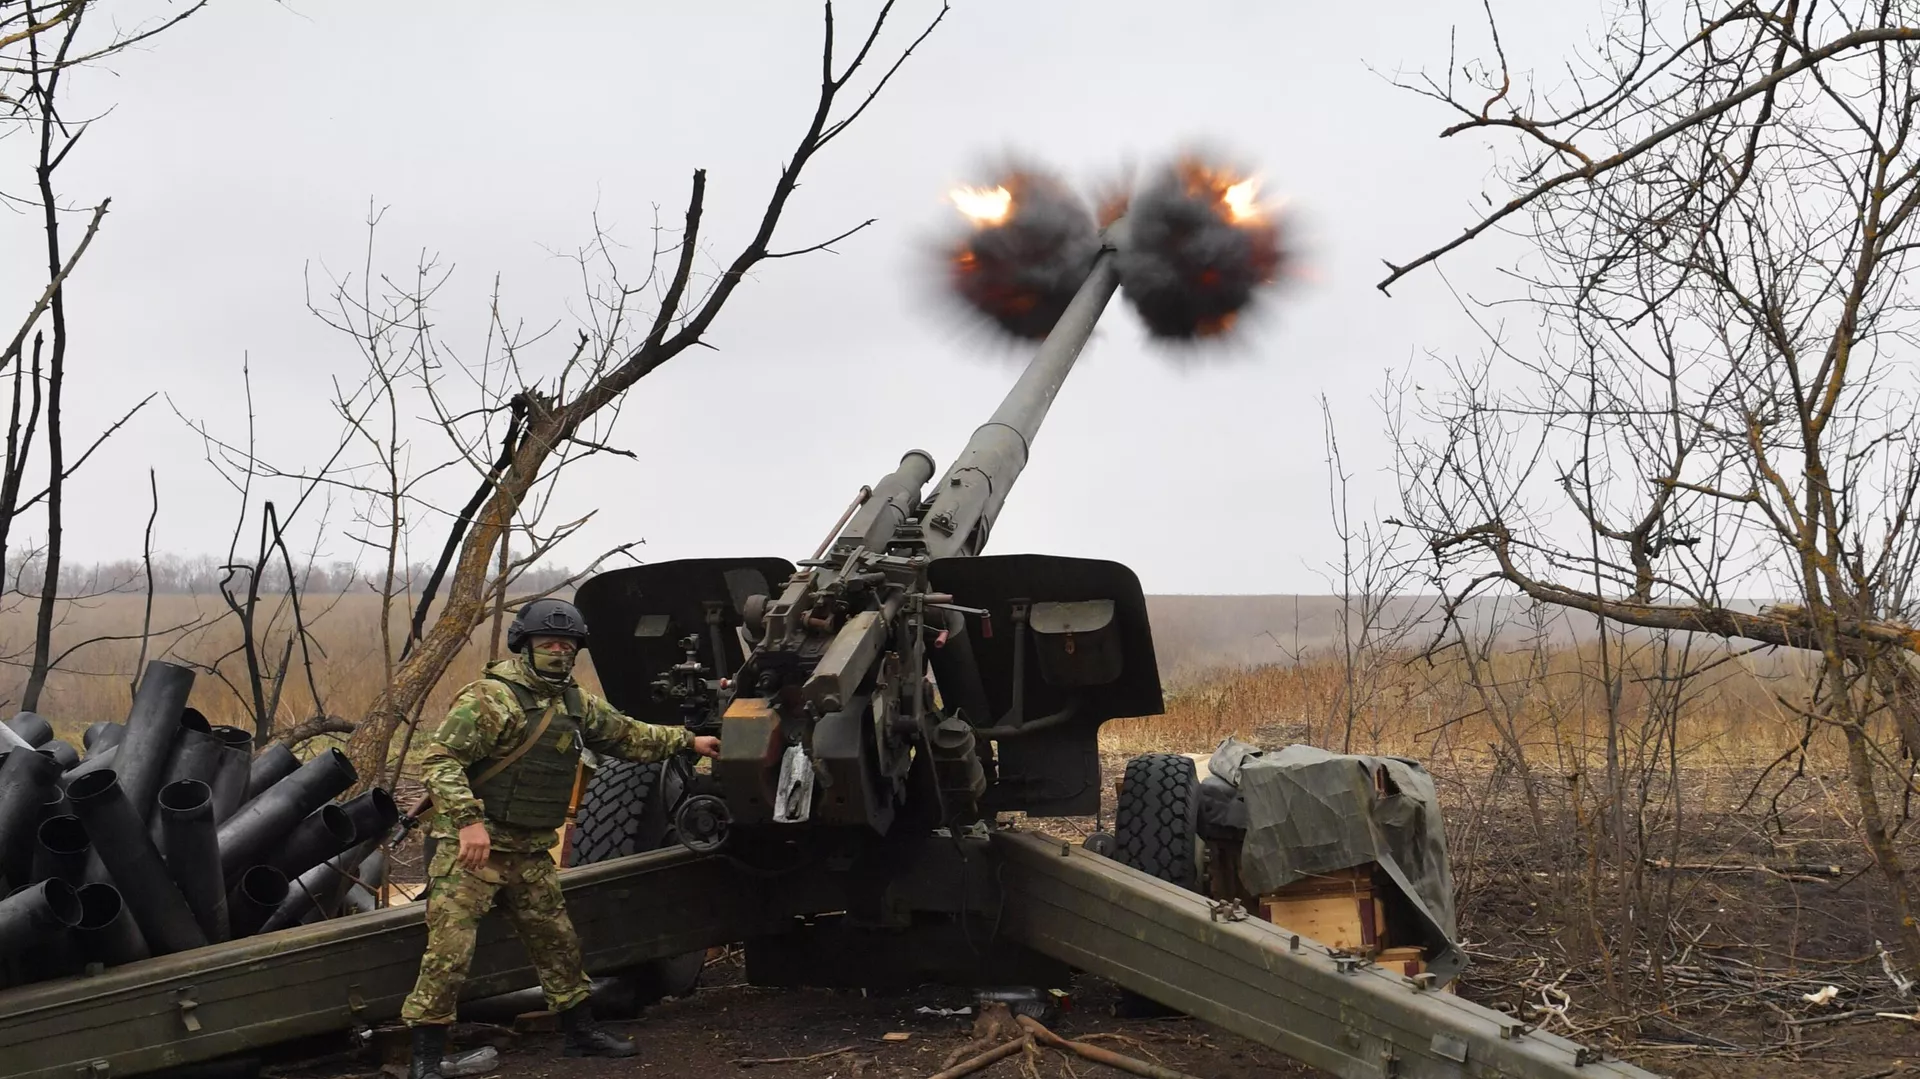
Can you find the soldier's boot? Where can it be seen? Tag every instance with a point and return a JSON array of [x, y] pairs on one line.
[[585, 1038], [429, 1045]]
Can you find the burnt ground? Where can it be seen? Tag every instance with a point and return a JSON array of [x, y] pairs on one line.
[[1712, 986]]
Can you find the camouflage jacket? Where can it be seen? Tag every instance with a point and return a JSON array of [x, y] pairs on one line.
[[486, 721]]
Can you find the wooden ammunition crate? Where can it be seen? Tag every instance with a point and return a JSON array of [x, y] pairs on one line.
[[1344, 909], [1348, 910], [1407, 961]]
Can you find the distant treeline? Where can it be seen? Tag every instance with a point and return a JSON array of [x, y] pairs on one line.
[[203, 574]]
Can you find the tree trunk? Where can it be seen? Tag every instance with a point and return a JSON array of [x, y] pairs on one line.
[[1874, 826], [465, 608], [56, 375]]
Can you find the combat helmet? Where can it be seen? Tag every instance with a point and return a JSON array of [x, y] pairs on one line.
[[546, 618]]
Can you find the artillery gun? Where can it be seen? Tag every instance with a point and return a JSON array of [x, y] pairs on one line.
[[882, 704], [900, 680]]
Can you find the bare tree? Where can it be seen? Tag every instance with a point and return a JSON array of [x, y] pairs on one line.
[[1717, 405], [42, 43], [381, 475], [1378, 612], [514, 417], [261, 589]]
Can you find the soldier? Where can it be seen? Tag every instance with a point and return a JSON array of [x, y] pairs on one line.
[[500, 770]]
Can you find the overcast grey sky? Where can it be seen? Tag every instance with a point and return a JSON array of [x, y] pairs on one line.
[[246, 145]]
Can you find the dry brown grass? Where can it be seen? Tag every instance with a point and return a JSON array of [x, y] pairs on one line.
[[1421, 709], [95, 681], [1429, 709]]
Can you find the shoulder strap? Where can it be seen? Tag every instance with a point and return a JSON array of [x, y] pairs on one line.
[[573, 695], [546, 718], [520, 693]]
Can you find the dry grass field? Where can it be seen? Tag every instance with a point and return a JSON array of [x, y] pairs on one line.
[[1664, 869], [1231, 664], [346, 651]]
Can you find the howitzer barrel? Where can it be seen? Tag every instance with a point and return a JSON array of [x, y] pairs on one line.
[[890, 503], [969, 497]]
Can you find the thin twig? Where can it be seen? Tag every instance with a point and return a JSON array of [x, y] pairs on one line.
[[748, 1062]]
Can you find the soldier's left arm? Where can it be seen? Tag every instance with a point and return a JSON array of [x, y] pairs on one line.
[[609, 732]]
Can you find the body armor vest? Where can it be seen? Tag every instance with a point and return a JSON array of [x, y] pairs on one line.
[[533, 791]]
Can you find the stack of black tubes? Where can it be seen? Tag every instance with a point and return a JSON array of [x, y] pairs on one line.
[[164, 833]]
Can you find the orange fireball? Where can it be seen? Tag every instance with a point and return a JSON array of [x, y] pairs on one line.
[[1027, 246], [1236, 198], [983, 205], [1202, 247]]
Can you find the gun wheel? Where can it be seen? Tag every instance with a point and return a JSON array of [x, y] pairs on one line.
[[1154, 823], [1154, 820], [624, 811], [620, 812]]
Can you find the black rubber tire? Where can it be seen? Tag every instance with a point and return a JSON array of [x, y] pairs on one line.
[[1154, 822], [1155, 817], [623, 811], [620, 812]]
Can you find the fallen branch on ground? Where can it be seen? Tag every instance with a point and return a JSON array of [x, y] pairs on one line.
[[1820, 1020], [975, 1063], [1797, 871], [748, 1062], [1098, 1055], [1135, 1042]]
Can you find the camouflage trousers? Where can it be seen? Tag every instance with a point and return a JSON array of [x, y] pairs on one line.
[[527, 887]]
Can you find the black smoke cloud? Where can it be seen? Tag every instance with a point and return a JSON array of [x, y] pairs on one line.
[[1022, 272], [1189, 268]]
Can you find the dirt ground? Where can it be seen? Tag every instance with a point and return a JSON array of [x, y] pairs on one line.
[[1752, 940], [1713, 988], [727, 1026]]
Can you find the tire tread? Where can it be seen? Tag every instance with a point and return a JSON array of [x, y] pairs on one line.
[[1154, 818], [614, 809]]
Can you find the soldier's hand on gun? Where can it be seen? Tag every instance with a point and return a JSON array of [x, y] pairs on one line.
[[707, 745], [475, 845]]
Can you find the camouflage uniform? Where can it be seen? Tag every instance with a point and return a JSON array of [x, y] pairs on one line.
[[487, 722]]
